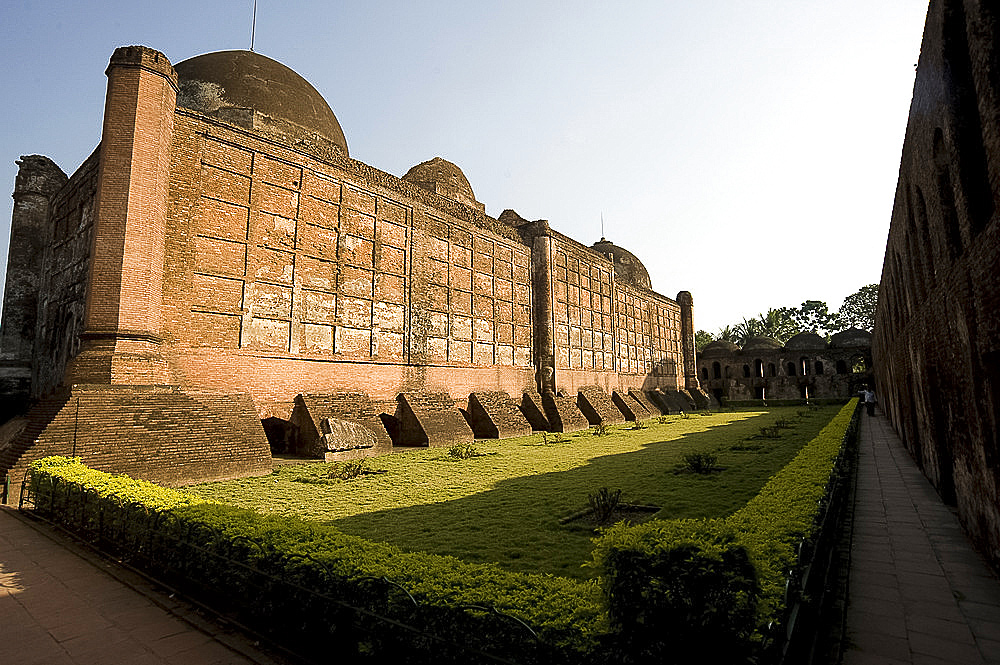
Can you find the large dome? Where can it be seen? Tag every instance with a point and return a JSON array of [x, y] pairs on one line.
[[445, 178], [628, 267], [253, 91]]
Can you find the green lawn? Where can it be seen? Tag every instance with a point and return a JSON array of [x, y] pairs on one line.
[[505, 504]]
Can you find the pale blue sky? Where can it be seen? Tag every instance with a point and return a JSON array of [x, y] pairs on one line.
[[746, 151]]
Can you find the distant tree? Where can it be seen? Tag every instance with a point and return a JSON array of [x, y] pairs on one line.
[[702, 339], [779, 324], [815, 316], [727, 334], [858, 310], [746, 329]]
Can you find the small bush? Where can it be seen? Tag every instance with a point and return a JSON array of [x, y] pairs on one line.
[[701, 462], [770, 432], [463, 451], [638, 424], [347, 470], [604, 503], [685, 415], [602, 429], [783, 423], [663, 420]]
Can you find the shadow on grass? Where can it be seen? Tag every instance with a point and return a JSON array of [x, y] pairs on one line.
[[517, 522]]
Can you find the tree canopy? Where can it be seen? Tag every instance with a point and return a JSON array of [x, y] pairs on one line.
[[858, 311]]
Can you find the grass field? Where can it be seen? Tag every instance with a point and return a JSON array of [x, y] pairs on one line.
[[506, 504]]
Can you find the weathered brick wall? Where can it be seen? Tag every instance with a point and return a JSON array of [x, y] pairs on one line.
[[608, 332], [64, 272], [324, 273], [649, 345], [937, 334], [161, 434], [38, 181]]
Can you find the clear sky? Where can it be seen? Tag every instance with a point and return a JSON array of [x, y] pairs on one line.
[[745, 150]]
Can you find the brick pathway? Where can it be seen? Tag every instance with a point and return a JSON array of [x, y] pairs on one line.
[[918, 591], [62, 605]]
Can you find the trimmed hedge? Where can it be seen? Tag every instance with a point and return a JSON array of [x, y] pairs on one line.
[[674, 591], [431, 593], [709, 589]]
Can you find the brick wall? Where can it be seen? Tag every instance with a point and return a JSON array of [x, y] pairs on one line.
[[937, 335], [161, 434]]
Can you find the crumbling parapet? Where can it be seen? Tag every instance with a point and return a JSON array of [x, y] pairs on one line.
[[38, 180]]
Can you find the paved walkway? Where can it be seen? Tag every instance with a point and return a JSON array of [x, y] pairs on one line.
[[62, 605], [918, 591]]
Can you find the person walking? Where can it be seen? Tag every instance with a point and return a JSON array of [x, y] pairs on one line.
[[868, 396]]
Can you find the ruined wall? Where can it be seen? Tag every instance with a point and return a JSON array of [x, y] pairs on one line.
[[38, 180], [65, 269], [287, 272], [759, 371], [937, 337]]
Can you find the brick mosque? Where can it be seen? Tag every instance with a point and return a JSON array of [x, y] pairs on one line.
[[220, 280]]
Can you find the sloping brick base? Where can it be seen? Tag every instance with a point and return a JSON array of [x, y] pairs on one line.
[[157, 433]]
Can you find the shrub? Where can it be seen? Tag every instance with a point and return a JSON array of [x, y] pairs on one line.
[[638, 424], [663, 420], [347, 470], [678, 591], [783, 423], [604, 503], [602, 429], [770, 432], [194, 544], [701, 462], [463, 451], [698, 590]]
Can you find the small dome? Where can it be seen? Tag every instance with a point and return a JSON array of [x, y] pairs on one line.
[[628, 268], [445, 178], [719, 347], [851, 337], [253, 91], [761, 344], [806, 341]]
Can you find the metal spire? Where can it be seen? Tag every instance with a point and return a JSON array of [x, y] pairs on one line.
[[253, 24]]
